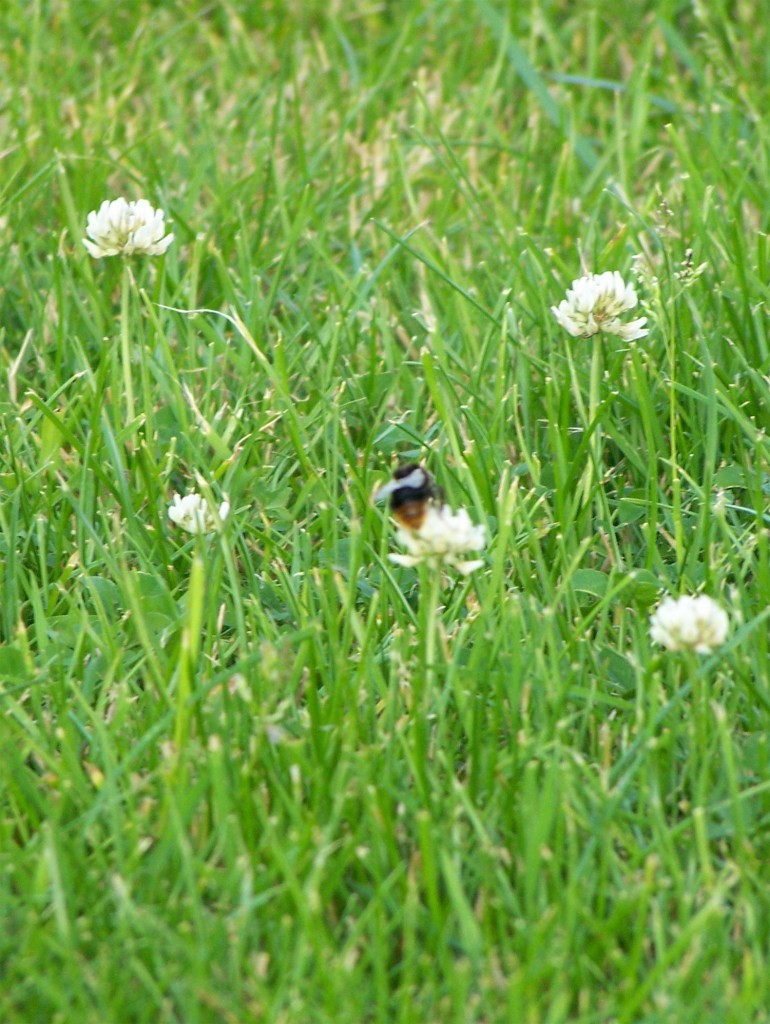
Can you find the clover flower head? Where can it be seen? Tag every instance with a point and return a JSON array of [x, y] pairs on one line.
[[192, 513], [441, 539], [120, 228], [689, 624], [595, 303]]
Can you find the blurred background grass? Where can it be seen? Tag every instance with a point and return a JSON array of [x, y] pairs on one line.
[[228, 793]]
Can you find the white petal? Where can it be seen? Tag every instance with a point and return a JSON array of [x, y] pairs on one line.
[[408, 561], [469, 566]]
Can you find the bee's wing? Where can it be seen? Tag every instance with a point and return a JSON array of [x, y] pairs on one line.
[[386, 490]]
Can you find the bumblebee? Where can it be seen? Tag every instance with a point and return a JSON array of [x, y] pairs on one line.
[[411, 491]]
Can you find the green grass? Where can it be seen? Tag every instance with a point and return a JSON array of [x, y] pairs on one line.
[[248, 778]]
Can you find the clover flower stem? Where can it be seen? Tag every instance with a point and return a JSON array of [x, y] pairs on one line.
[[185, 675], [430, 592], [125, 341], [146, 409], [700, 712], [423, 680], [594, 468]]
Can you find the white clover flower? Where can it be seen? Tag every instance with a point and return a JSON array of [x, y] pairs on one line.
[[441, 539], [689, 624], [119, 228], [192, 513], [595, 304]]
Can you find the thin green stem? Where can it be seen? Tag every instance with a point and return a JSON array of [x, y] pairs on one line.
[[125, 340], [698, 720], [593, 469], [430, 591]]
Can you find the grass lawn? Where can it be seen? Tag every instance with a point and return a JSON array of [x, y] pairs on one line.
[[264, 773]]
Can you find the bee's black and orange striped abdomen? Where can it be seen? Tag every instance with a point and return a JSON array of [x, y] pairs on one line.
[[411, 491]]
